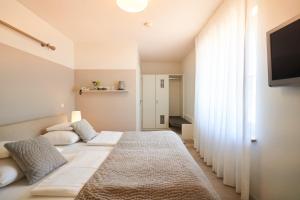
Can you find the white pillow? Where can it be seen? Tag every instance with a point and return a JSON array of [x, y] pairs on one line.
[[3, 151], [9, 172], [60, 127], [59, 149], [62, 137]]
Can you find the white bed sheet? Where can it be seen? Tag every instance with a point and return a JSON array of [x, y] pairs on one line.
[[22, 191], [106, 138]]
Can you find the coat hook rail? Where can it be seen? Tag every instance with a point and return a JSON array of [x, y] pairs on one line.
[[43, 44]]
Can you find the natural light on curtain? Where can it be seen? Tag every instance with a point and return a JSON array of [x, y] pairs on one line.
[[225, 93]]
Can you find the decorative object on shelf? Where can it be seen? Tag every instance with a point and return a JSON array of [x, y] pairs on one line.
[[96, 84], [76, 116], [85, 89], [117, 87], [121, 85], [102, 91]]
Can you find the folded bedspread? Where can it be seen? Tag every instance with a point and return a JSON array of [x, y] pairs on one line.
[[148, 165]]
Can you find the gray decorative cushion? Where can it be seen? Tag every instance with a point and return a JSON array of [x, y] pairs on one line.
[[35, 157], [85, 131]]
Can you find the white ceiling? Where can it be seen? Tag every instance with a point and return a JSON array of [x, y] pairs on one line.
[[175, 23]]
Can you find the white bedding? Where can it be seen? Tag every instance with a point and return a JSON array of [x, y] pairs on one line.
[[68, 180], [64, 182], [106, 138]]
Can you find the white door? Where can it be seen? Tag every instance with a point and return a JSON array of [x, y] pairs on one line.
[[162, 101], [149, 103]]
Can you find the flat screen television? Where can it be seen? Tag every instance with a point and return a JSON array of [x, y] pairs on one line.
[[284, 53]]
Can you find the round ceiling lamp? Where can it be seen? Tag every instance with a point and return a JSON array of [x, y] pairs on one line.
[[132, 6]]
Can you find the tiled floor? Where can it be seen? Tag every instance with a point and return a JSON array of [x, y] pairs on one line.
[[225, 192]]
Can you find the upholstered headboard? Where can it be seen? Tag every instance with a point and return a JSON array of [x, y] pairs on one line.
[[29, 129]]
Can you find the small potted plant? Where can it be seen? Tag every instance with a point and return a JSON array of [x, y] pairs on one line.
[[96, 84]]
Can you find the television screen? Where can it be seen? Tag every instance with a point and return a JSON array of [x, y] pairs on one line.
[[284, 54]]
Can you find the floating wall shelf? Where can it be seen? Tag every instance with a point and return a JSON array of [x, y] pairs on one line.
[[102, 91]]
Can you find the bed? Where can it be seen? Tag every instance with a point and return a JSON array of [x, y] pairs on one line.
[[143, 165]]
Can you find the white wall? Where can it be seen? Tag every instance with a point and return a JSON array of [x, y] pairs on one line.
[[188, 68], [175, 97], [110, 55], [161, 68], [19, 16], [275, 166], [138, 97]]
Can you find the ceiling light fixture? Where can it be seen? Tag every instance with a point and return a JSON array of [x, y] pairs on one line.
[[132, 6]]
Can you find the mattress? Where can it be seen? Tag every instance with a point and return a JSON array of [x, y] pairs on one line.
[[83, 161]]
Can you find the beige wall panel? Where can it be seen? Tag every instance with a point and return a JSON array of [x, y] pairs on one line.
[[32, 87], [108, 111]]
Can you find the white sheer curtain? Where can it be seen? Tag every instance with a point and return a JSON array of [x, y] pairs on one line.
[[221, 130]]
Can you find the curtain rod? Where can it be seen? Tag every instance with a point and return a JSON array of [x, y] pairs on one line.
[[43, 44]]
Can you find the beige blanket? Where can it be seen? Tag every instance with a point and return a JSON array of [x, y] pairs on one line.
[[148, 165]]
